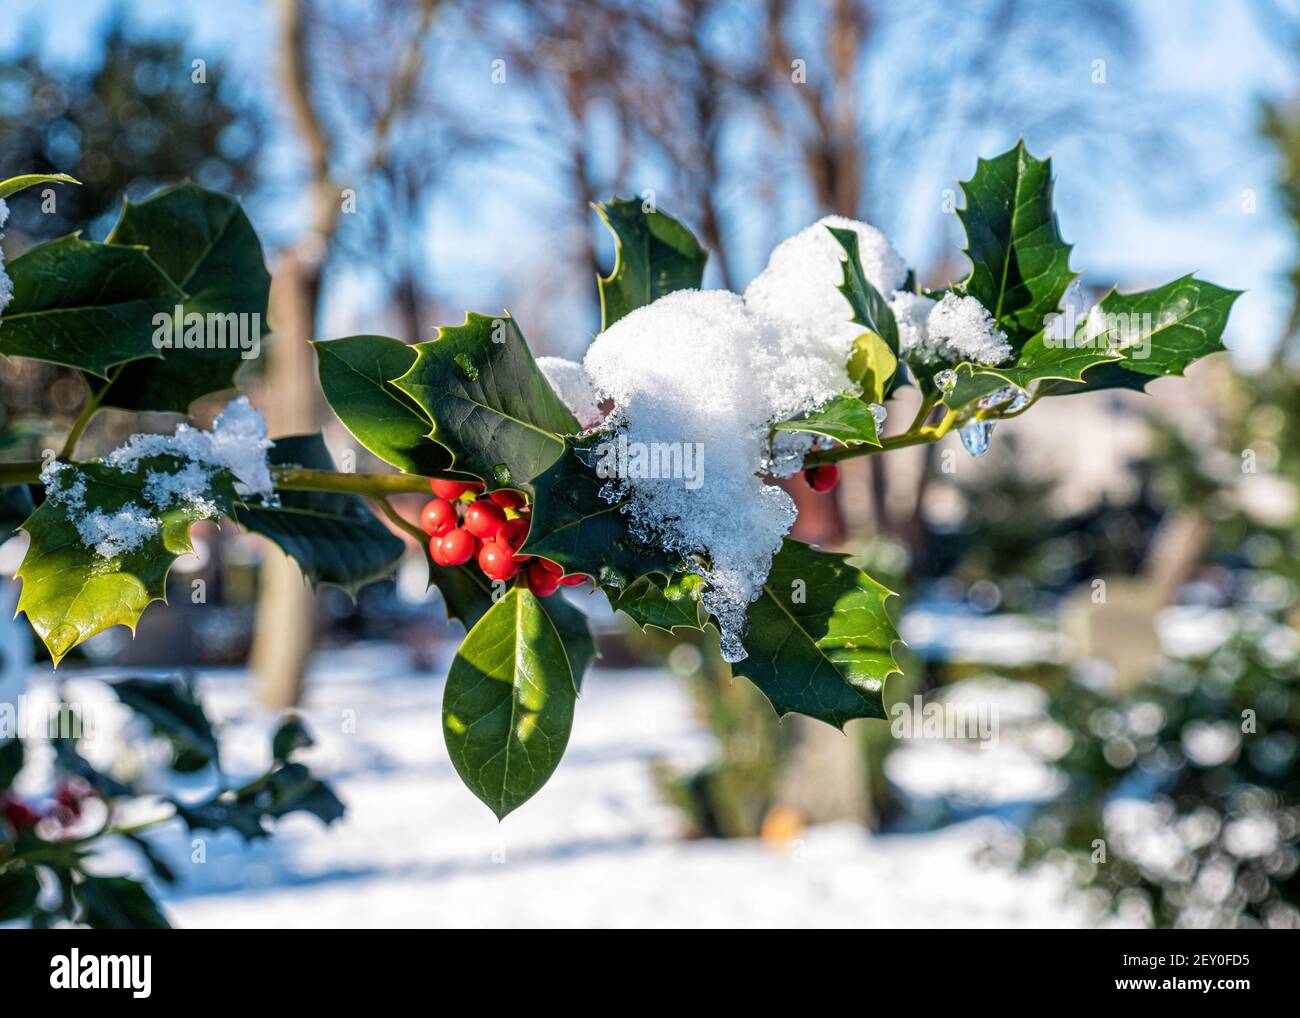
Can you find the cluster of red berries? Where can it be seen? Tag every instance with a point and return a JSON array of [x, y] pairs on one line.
[[822, 478], [66, 808], [463, 524]]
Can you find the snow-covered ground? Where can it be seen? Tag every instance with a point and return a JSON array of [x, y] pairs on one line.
[[595, 847]]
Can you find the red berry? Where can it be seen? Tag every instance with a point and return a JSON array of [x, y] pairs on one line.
[[435, 549], [458, 547], [437, 516], [513, 533], [484, 518], [497, 561], [822, 478], [541, 581], [453, 489], [508, 499], [21, 817], [447, 489], [573, 580]]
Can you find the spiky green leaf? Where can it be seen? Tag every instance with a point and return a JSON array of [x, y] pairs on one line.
[[654, 254]]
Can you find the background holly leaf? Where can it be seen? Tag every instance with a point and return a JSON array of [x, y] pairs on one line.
[[286, 788], [15, 506], [1020, 266], [172, 712], [332, 536], [19, 889], [69, 592], [118, 903], [356, 376], [508, 703], [654, 254], [846, 419], [819, 639], [203, 240], [85, 305], [488, 402]]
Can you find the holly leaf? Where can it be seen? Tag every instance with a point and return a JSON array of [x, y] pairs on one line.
[[205, 243], [1020, 266], [172, 712], [85, 305], [819, 639], [1160, 332], [70, 592], [15, 506], [1126, 341], [11, 761], [356, 375], [1038, 362], [20, 183], [870, 309], [287, 788], [466, 592], [118, 903], [845, 418], [573, 525], [654, 254], [332, 536], [488, 402], [508, 703], [668, 605], [873, 366], [575, 633], [19, 889]]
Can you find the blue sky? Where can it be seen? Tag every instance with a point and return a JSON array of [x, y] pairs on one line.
[[1204, 63]]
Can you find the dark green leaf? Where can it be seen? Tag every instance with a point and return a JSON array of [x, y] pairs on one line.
[[15, 506], [663, 604], [575, 633], [508, 703], [333, 537], [356, 375], [819, 639], [19, 888], [11, 761], [488, 402], [291, 736], [870, 310], [205, 243], [289, 788], [846, 419], [466, 592], [654, 254], [118, 903], [1161, 331], [157, 865], [1020, 266], [84, 305], [172, 711], [574, 526]]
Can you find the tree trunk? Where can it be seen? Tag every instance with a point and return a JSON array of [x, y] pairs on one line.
[[285, 625]]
